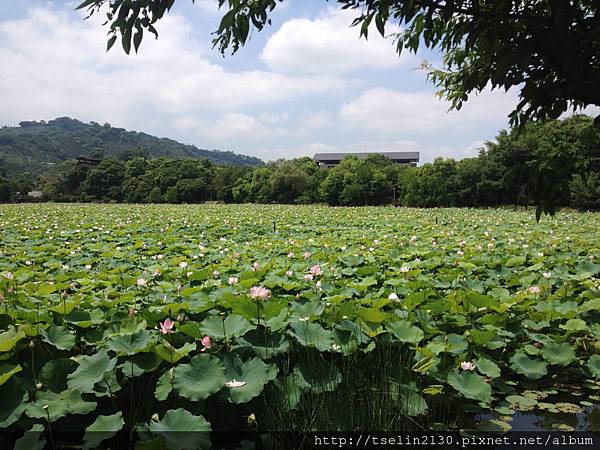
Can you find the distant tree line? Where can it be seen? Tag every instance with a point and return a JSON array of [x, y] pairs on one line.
[[558, 159]]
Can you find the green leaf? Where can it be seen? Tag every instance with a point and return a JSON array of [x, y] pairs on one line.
[[411, 401], [164, 385], [594, 365], [254, 373], [424, 364], [558, 354], [137, 38], [111, 42], [311, 334], [198, 380], [380, 24], [319, 376], [131, 343], [91, 370], [471, 385], [171, 354], [482, 337], [180, 430], [9, 339], [31, 439], [433, 389], [272, 344], [7, 371], [56, 406], [233, 326], [86, 3], [59, 337], [66, 306], [104, 427], [289, 391], [372, 315], [405, 331], [54, 373], [126, 39], [530, 367], [575, 325], [13, 400], [488, 367]]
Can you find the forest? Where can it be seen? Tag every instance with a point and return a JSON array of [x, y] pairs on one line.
[[555, 161]]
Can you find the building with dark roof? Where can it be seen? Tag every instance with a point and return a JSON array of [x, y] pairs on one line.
[[333, 159]]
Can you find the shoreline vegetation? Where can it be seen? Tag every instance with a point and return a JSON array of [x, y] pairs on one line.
[[550, 164]]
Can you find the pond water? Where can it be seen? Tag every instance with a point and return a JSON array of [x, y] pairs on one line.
[[588, 420]]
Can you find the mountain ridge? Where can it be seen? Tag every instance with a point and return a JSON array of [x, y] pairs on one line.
[[34, 146]]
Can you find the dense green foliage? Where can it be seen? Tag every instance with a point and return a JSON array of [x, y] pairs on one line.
[[35, 146], [548, 164], [151, 319], [547, 49]]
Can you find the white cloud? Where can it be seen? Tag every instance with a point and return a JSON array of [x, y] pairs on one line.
[[328, 45], [318, 119], [54, 65], [395, 113]]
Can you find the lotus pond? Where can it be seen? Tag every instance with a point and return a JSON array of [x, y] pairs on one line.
[[145, 320]]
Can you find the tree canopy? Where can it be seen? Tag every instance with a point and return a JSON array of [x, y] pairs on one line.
[[556, 162], [549, 49]]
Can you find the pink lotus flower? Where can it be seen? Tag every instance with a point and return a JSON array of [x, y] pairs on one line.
[[467, 365], [306, 255], [141, 282], [290, 254], [290, 273], [9, 276], [260, 292], [206, 342], [233, 280], [308, 277], [534, 290], [255, 266], [166, 327], [316, 270]]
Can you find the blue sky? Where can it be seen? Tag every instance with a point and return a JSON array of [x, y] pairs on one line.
[[305, 84]]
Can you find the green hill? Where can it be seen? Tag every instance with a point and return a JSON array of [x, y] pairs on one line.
[[36, 146]]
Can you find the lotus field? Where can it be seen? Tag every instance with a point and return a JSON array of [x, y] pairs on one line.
[[135, 322]]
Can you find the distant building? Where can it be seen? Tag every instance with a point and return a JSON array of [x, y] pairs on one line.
[[89, 162], [333, 159], [35, 194]]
